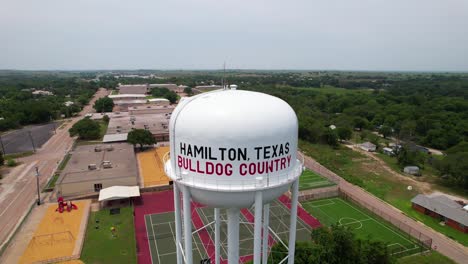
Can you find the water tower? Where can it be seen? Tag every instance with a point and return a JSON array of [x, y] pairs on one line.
[[232, 149]]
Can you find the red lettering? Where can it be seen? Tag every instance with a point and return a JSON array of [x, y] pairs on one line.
[[283, 163], [179, 161], [243, 169], [252, 168], [198, 168], [219, 169], [228, 169], [209, 168]]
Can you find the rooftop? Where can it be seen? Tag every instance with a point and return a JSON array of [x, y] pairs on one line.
[[122, 158], [443, 206], [133, 89], [156, 123], [123, 96]]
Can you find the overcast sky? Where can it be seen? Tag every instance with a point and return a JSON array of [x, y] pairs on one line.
[[404, 35]]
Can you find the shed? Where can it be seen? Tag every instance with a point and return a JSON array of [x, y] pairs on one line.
[[367, 146], [388, 151], [413, 170]]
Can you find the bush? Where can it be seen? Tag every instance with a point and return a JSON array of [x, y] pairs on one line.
[[11, 163]]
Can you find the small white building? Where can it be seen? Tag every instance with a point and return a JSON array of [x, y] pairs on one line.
[[68, 103], [332, 127], [42, 92], [413, 170], [367, 146]]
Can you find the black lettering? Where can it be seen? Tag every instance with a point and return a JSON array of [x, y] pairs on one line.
[[266, 152], [198, 151], [242, 154], [287, 147], [182, 148], [275, 147], [222, 152], [258, 152]]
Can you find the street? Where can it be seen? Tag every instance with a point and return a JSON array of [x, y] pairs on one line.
[[18, 190]]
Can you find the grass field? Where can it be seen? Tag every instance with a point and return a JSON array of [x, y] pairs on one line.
[[432, 257], [101, 247], [337, 211], [368, 174], [311, 180]]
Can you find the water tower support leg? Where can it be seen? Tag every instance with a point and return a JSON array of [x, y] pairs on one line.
[[217, 237], [266, 223], [292, 228], [187, 226], [233, 235], [258, 228], [178, 223]]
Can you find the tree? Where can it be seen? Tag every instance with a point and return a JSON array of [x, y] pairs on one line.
[[188, 91], [86, 129], [2, 159], [141, 137], [106, 119], [335, 245], [104, 105], [330, 137], [172, 97], [407, 157], [344, 133], [386, 131], [360, 123]]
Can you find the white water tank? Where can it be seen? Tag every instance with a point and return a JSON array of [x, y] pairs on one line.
[[228, 144]]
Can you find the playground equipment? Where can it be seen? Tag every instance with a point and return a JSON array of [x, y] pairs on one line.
[[68, 205]]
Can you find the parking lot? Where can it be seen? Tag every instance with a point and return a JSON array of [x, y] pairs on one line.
[[20, 141]]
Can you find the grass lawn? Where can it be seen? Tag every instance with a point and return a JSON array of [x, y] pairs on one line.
[[429, 258], [311, 180], [101, 247], [368, 174], [363, 223]]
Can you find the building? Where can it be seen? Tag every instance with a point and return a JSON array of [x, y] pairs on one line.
[[157, 124], [150, 109], [367, 146], [94, 167], [444, 209], [159, 101], [117, 97], [133, 89], [42, 92], [413, 170], [68, 103]]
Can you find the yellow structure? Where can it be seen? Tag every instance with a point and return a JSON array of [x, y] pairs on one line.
[[152, 168], [57, 234]]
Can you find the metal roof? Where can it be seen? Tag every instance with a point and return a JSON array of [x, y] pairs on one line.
[[443, 206], [115, 137]]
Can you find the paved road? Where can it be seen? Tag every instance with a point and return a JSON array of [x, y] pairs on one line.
[[19, 140], [18, 190], [440, 242]]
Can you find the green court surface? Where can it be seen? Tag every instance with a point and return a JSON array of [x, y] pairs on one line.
[[279, 223], [365, 225], [311, 180], [161, 239]]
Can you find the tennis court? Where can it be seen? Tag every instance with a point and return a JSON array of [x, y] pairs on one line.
[[279, 223], [311, 180], [364, 224], [161, 238], [160, 229]]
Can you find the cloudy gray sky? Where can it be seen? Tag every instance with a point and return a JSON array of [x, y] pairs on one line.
[[262, 34]]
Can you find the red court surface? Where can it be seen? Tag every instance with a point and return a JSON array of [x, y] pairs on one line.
[[163, 202]]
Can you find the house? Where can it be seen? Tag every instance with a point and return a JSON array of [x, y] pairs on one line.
[[68, 103], [413, 170], [367, 146], [332, 127], [444, 209], [388, 151], [42, 92]]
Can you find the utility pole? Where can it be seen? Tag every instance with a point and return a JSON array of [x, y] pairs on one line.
[[37, 183], [32, 141], [3, 147]]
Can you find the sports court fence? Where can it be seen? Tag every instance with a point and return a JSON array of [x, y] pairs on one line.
[[319, 193], [424, 241]]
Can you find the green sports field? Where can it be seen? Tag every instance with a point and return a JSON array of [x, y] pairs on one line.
[[365, 225], [311, 180]]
